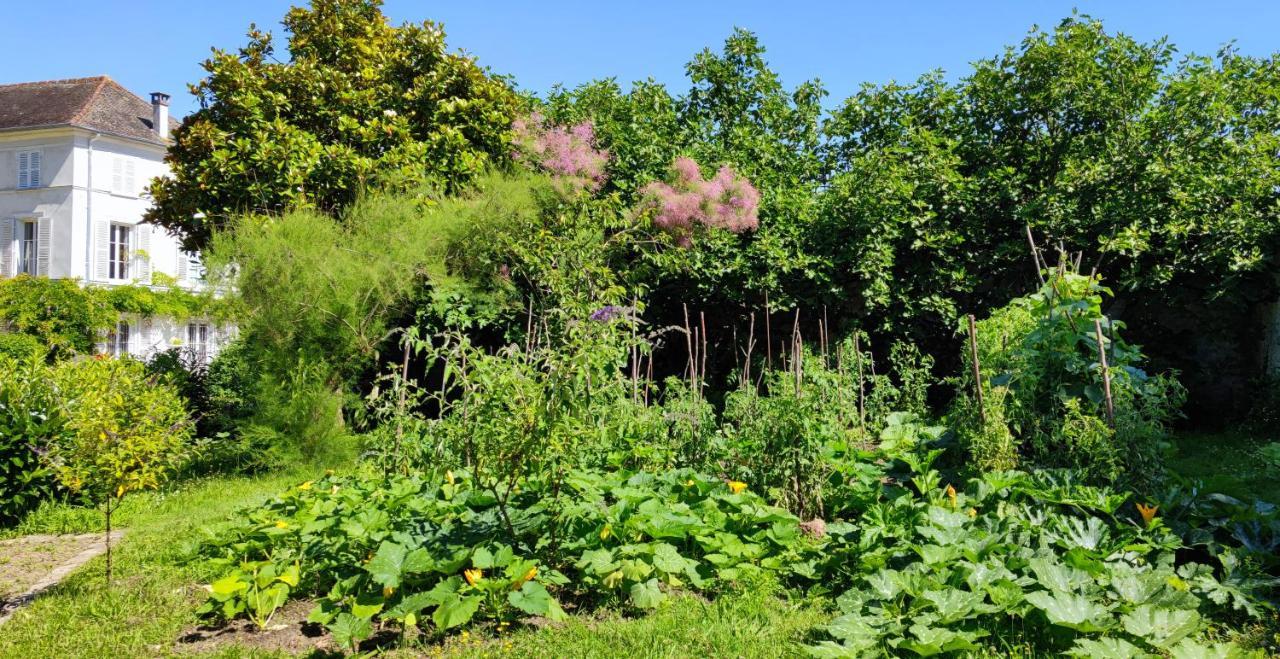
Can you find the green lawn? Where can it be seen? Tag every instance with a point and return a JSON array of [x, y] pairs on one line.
[[153, 595]]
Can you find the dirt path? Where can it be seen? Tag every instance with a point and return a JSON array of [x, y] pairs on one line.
[[33, 564]]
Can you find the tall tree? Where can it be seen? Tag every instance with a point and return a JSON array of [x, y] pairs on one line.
[[359, 104]]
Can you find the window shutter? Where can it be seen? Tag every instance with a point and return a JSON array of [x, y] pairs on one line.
[[24, 169], [8, 245], [142, 253], [184, 266], [34, 174], [130, 184], [44, 237], [8, 238], [117, 174], [102, 236]]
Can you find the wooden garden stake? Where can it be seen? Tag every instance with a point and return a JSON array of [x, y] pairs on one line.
[[977, 370], [768, 335], [1106, 372], [1035, 256], [404, 386], [862, 389]]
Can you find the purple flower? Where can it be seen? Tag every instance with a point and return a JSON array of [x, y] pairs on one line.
[[606, 314]]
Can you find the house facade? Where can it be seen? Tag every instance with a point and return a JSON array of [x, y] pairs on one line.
[[76, 158]]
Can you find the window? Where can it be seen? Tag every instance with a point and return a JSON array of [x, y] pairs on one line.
[[118, 263], [198, 341], [29, 169], [27, 248], [195, 267], [118, 340], [123, 181]]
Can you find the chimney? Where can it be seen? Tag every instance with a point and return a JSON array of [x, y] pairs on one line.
[[160, 114]]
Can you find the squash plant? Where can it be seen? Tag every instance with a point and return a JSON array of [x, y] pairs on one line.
[[1044, 562]]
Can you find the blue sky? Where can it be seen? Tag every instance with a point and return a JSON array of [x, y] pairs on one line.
[[158, 45]]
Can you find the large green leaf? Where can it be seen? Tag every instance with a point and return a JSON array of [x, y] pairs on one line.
[[455, 610], [1073, 611], [533, 598], [647, 595], [349, 630], [1161, 627], [1105, 648]]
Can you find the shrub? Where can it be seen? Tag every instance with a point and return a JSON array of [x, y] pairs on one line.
[[1044, 348], [123, 432], [22, 347], [29, 421], [726, 201]]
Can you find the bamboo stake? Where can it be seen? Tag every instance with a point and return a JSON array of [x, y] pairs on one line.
[[1035, 256], [702, 320], [797, 351], [1106, 372], [768, 334], [862, 388], [688, 342], [977, 370], [404, 386]]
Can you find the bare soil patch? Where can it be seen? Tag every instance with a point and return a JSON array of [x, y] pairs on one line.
[[288, 632], [31, 564]]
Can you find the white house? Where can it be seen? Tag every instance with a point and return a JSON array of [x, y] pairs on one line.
[[76, 157]]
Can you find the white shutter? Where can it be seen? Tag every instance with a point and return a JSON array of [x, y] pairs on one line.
[[117, 174], [142, 253], [102, 238], [130, 184], [24, 169], [8, 240], [44, 238], [34, 174], [184, 266]]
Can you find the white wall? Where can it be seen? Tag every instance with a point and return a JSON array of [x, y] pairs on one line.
[[78, 194]]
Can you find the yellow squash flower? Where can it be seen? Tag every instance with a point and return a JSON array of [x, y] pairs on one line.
[[951, 494], [281, 524], [305, 486], [737, 486], [473, 576], [530, 574], [606, 532], [973, 512], [1148, 513]]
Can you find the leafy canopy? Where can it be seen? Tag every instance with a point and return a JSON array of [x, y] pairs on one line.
[[359, 105]]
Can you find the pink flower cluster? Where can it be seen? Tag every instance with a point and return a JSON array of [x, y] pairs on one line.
[[726, 201], [569, 154]]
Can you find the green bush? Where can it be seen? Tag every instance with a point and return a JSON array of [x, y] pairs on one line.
[[22, 347], [29, 422], [123, 432], [1044, 350]]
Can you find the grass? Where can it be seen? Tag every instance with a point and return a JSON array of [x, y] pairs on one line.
[[749, 623], [1227, 462], [154, 592]]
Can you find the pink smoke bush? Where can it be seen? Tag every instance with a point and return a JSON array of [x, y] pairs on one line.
[[568, 153], [726, 201]]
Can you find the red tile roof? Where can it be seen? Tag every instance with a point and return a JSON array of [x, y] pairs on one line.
[[97, 104]]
